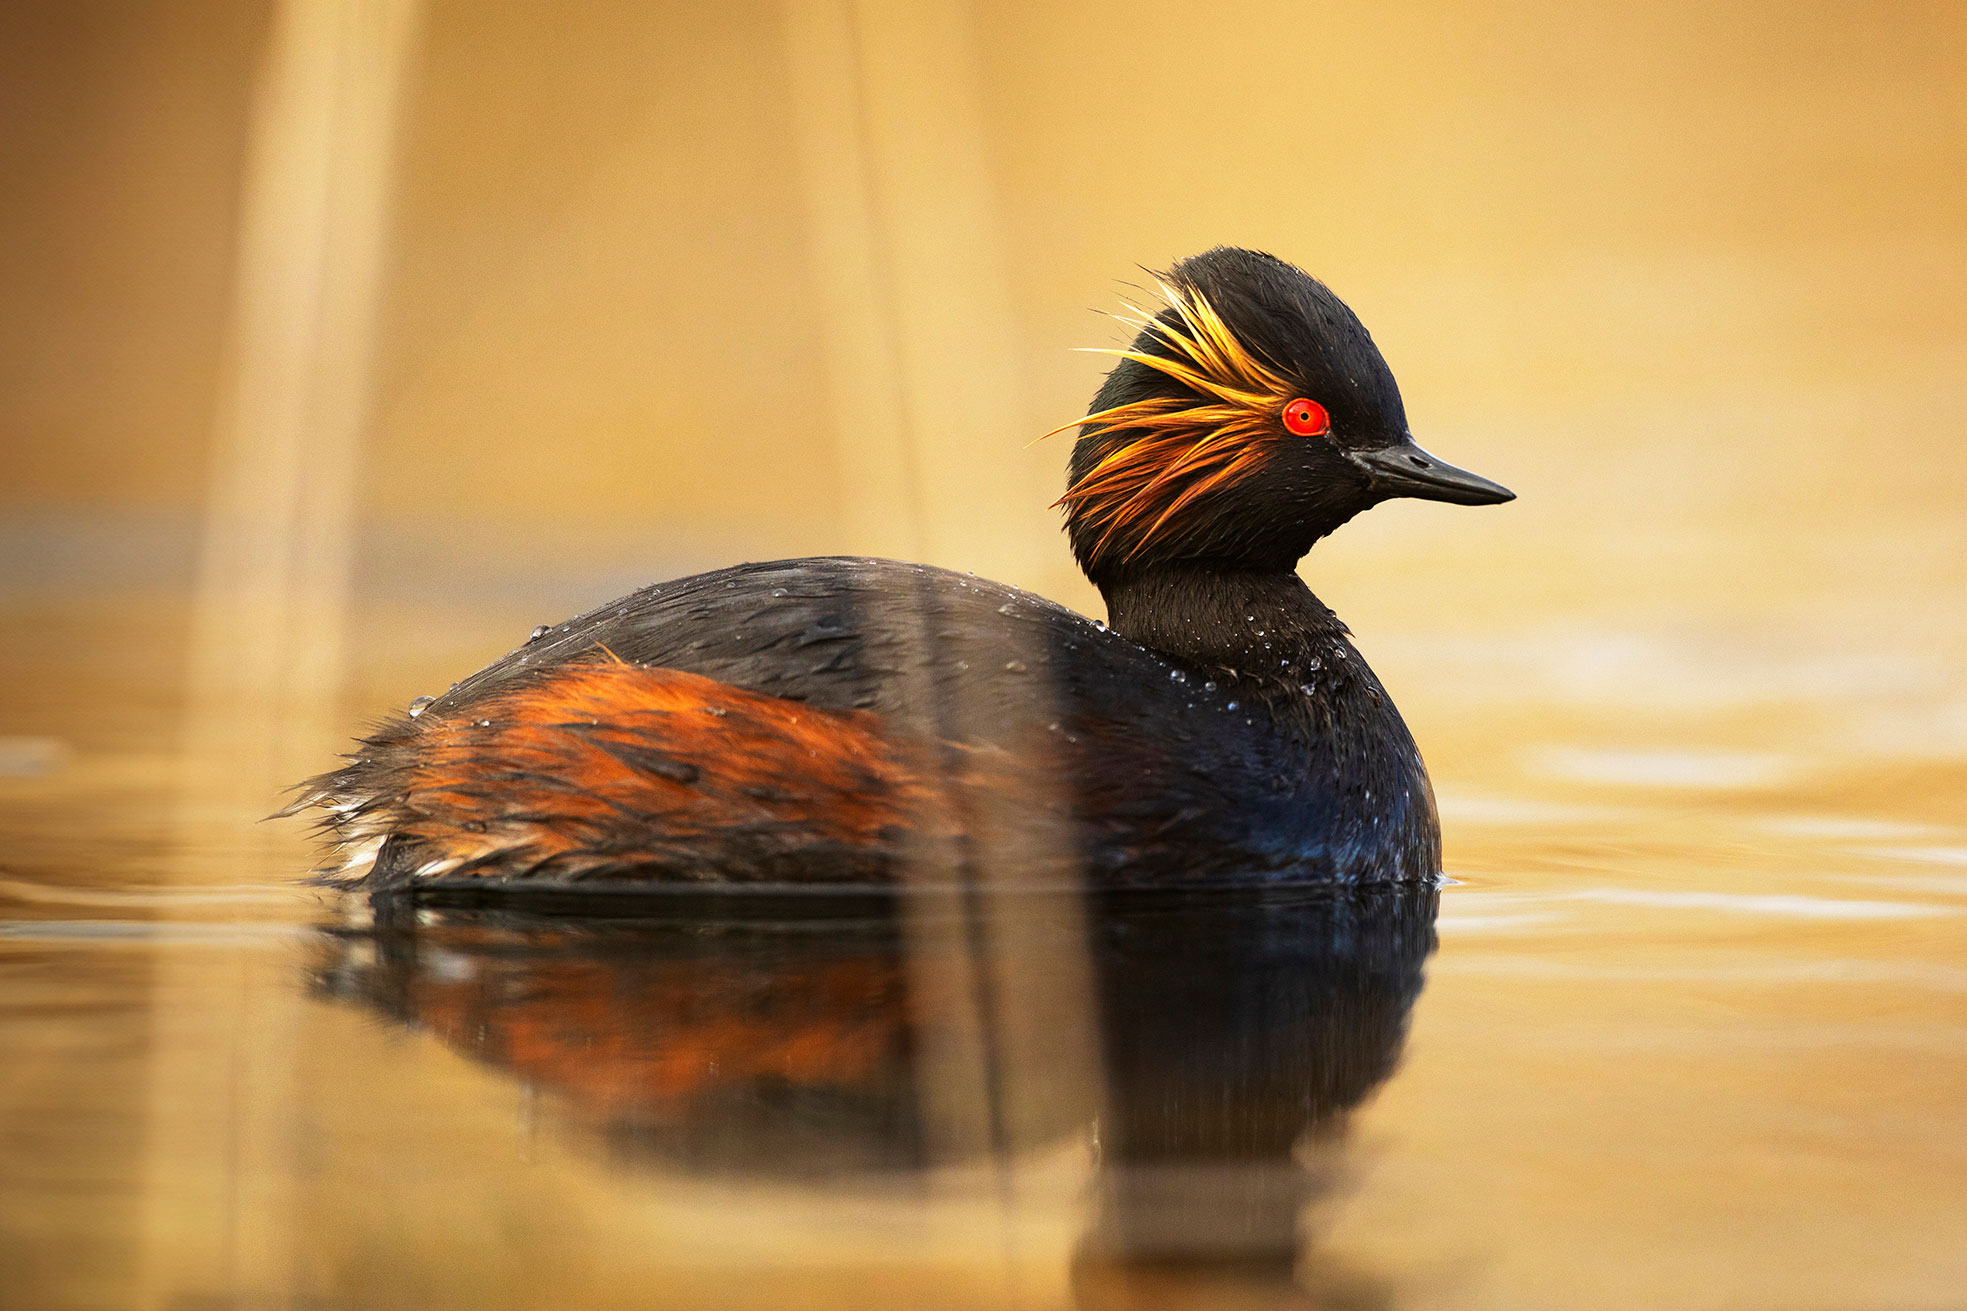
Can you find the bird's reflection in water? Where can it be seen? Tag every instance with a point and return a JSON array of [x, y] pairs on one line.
[[1236, 1039], [1237, 1031]]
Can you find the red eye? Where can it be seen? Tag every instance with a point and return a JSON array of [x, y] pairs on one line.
[[1306, 418]]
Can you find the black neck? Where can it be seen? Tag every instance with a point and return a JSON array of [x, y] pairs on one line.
[[1252, 623]]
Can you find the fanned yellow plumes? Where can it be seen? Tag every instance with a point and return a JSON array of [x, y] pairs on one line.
[[1180, 448]]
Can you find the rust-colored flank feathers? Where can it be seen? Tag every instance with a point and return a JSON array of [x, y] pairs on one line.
[[1179, 449], [614, 765]]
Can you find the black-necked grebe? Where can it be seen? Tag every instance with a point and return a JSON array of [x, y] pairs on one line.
[[847, 720]]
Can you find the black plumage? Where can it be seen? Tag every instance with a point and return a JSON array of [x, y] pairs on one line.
[[1223, 727]]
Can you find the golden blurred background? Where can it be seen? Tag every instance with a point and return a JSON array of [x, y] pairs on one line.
[[540, 301], [344, 340]]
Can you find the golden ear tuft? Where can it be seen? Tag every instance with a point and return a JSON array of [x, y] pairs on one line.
[[1180, 448]]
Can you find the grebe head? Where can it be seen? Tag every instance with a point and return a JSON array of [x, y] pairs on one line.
[[1250, 417]]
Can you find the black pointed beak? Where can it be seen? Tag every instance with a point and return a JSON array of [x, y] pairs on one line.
[[1407, 470]]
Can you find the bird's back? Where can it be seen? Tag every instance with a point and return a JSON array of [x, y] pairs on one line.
[[865, 720]]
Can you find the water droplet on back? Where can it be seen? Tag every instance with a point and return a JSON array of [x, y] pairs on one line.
[[421, 704], [539, 632]]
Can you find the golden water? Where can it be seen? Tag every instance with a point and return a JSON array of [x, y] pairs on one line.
[[1695, 1033]]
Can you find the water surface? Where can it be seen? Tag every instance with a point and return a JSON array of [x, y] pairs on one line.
[[1689, 1029]]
